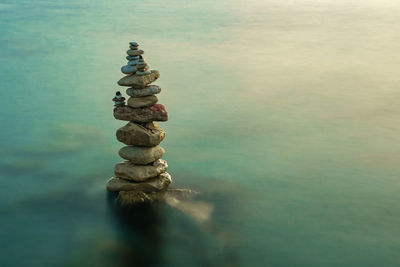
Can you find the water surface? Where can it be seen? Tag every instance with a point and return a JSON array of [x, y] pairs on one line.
[[284, 115]]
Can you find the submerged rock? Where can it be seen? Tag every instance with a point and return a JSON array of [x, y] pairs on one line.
[[136, 81], [139, 173], [158, 183], [135, 197], [146, 91], [156, 112], [137, 135], [140, 102], [141, 155]]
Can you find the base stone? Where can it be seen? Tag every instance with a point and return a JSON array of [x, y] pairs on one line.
[[155, 184], [127, 198]]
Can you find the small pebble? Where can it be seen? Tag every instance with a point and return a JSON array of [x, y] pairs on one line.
[[140, 73], [133, 57], [133, 62], [142, 65], [128, 69]]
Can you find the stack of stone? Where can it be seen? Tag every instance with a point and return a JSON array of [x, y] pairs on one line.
[[143, 172]]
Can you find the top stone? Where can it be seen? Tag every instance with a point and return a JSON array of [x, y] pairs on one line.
[[133, 44]]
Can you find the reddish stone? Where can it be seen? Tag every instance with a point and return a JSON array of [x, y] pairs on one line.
[[159, 108]]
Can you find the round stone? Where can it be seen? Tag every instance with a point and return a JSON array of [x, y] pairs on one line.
[[141, 155], [128, 69], [139, 173], [134, 52], [146, 91], [140, 102], [134, 134], [133, 44]]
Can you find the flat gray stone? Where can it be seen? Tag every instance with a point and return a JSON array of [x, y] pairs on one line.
[[139, 173], [127, 69], [140, 102], [133, 44], [142, 81], [158, 183], [132, 58], [141, 155], [131, 52], [156, 112], [146, 91], [177, 195], [133, 134]]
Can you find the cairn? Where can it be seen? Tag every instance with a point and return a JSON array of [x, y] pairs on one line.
[[143, 174]]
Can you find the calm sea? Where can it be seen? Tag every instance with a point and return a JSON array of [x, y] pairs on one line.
[[283, 114]]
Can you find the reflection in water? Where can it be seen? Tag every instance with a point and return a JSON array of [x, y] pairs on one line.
[[139, 229], [88, 228], [183, 227], [198, 210]]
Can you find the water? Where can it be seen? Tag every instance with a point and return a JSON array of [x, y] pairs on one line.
[[284, 114]]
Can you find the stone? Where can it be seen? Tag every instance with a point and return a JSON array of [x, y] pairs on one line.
[[127, 69], [156, 112], [132, 57], [139, 173], [133, 62], [136, 81], [128, 198], [141, 155], [133, 134], [131, 52], [146, 91], [133, 44], [140, 102], [142, 65], [158, 183], [133, 47], [143, 72]]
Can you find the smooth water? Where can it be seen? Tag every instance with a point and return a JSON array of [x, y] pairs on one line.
[[283, 114]]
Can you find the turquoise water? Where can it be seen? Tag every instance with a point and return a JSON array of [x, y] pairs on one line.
[[283, 114]]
